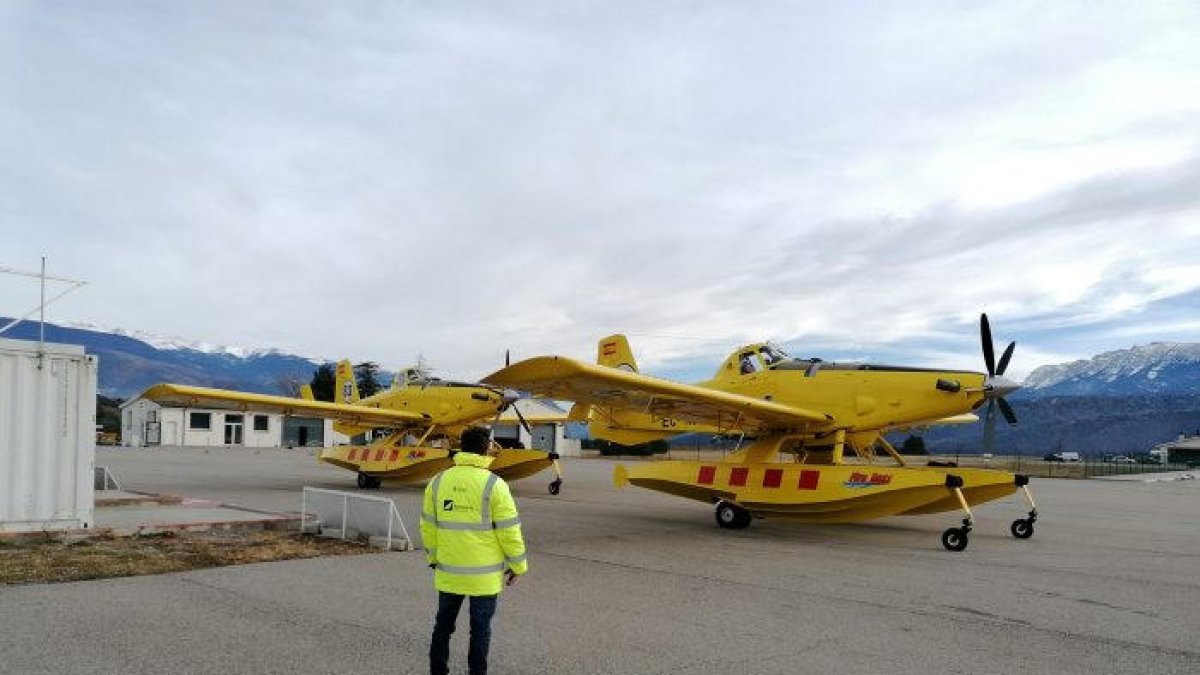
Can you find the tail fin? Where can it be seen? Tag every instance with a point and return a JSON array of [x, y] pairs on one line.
[[347, 386], [306, 392], [613, 351]]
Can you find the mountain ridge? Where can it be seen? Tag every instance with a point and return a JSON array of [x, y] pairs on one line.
[[1154, 368], [128, 365]]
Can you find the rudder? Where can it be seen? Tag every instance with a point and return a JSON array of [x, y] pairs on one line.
[[346, 386], [614, 352]]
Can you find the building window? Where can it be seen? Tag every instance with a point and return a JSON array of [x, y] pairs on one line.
[[152, 416], [198, 420], [262, 423]]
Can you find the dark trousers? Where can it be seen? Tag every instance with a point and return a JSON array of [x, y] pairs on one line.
[[482, 609]]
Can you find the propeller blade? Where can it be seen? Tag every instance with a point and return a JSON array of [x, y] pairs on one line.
[[507, 358], [989, 428], [523, 422], [1003, 365], [989, 353], [1009, 415]]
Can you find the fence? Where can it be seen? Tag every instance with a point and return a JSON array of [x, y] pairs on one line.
[[349, 515], [105, 479], [1089, 467], [1093, 466]]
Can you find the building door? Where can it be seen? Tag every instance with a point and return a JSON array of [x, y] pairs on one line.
[[543, 437], [233, 429], [302, 437], [153, 433], [170, 433]]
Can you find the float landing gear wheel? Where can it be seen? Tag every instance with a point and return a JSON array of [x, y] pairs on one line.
[[366, 482], [731, 516], [955, 538], [1022, 528], [556, 486]]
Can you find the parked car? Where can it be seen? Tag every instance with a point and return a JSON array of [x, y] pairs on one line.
[[1122, 459], [1063, 457]]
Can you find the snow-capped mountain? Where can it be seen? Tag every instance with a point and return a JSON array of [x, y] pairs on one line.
[[176, 344], [132, 361], [1156, 368]]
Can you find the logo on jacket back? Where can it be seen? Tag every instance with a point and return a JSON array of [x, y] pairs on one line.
[[447, 504]]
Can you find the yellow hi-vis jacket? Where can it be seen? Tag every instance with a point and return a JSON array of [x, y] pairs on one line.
[[471, 529]]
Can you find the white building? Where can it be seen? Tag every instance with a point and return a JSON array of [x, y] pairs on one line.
[[547, 421], [145, 422]]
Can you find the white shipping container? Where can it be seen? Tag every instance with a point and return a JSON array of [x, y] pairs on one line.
[[47, 437]]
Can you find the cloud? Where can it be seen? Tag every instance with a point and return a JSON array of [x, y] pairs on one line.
[[386, 180]]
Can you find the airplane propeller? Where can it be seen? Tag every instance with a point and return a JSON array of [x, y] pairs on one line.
[[510, 398], [995, 386]]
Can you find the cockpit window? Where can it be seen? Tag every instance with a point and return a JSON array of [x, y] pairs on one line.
[[747, 363]]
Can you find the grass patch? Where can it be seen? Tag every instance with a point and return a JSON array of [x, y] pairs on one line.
[[47, 560]]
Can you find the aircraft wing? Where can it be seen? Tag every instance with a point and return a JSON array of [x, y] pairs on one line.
[[179, 396], [561, 378]]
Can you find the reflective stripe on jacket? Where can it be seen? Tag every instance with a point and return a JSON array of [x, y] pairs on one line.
[[471, 529]]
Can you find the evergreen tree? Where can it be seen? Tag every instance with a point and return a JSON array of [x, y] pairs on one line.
[[323, 382], [367, 375]]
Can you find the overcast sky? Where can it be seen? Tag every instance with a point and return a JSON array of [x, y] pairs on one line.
[[382, 180]]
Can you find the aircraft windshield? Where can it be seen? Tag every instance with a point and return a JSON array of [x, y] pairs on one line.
[[772, 355]]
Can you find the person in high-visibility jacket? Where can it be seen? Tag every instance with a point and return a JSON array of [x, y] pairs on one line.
[[473, 541]]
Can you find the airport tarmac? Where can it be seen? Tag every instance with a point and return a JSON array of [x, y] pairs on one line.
[[633, 581]]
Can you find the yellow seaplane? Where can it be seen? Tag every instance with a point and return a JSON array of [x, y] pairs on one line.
[[415, 423], [811, 432]]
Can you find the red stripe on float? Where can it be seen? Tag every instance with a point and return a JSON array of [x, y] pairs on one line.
[[738, 474], [707, 474], [809, 480], [772, 478]]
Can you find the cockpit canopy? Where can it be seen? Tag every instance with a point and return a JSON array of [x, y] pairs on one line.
[[764, 356], [412, 376]]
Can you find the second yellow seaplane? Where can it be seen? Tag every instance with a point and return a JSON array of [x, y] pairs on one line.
[[811, 432], [420, 417]]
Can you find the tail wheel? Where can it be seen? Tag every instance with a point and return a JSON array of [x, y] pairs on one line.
[[1022, 528], [556, 487], [366, 482], [731, 516], [955, 539]]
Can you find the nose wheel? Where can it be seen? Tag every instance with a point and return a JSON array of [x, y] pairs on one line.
[[1022, 528], [366, 482], [556, 484], [956, 538]]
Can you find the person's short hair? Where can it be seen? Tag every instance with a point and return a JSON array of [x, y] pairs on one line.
[[476, 440]]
